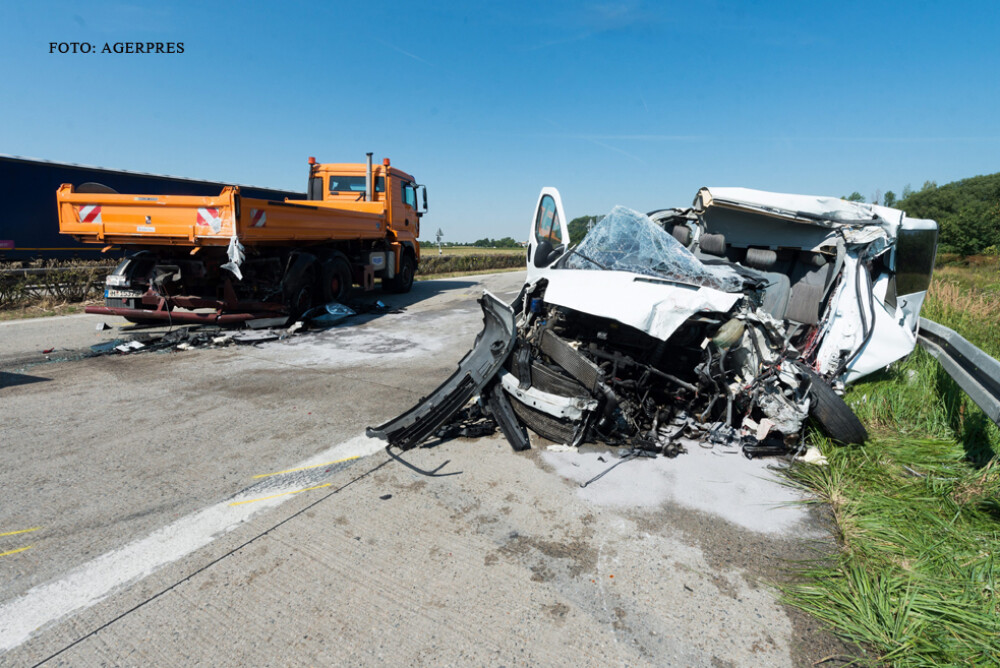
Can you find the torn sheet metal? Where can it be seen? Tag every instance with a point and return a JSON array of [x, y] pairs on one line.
[[570, 408], [654, 307], [818, 210], [863, 334]]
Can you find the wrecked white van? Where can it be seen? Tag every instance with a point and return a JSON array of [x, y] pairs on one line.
[[731, 321]]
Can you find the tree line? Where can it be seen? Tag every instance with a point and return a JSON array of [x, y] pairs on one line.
[[967, 212]]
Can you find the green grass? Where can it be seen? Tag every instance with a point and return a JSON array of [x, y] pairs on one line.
[[917, 508]]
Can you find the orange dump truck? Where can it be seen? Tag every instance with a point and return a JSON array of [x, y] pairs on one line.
[[229, 259]]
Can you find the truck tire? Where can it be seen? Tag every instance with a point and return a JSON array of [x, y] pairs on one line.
[[302, 299], [832, 414], [335, 279], [403, 280]]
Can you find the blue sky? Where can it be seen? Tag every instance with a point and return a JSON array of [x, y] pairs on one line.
[[624, 102]]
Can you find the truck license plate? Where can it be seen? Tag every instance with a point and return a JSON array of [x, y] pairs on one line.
[[117, 293]]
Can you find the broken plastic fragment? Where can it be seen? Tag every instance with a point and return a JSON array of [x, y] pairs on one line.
[[236, 255], [129, 346], [813, 456], [626, 240], [329, 314]]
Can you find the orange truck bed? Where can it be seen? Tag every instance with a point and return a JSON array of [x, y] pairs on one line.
[[174, 220]]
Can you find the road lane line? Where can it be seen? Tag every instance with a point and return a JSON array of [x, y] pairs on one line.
[[14, 533], [20, 549], [91, 582], [302, 468], [274, 496]]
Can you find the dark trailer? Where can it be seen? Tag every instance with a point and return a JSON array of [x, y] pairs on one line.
[[29, 222]]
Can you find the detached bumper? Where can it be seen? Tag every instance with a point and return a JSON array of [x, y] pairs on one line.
[[475, 370]]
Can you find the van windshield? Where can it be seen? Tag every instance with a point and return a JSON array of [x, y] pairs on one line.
[[626, 240]]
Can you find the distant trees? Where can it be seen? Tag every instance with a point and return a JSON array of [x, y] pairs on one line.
[[578, 227], [967, 211], [506, 242]]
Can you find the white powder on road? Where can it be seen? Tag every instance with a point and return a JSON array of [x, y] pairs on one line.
[[744, 492]]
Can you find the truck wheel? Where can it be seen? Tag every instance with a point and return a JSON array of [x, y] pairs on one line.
[[302, 299], [403, 280], [335, 279], [832, 414]]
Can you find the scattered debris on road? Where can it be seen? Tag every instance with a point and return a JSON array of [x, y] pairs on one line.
[[188, 337]]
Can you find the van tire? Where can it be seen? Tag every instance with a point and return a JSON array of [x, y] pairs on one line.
[[832, 413]]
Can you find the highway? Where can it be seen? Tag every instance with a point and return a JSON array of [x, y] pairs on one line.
[[222, 506]]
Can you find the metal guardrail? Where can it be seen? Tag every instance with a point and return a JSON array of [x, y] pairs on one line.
[[976, 373]]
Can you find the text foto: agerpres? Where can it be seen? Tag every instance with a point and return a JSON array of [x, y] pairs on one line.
[[116, 47]]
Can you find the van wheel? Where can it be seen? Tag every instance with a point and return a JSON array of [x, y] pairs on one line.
[[403, 280], [833, 415], [335, 281]]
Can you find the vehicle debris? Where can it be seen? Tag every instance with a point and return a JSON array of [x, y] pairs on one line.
[[189, 337], [329, 314], [732, 323]]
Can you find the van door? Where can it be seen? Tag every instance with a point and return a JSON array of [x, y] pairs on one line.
[[549, 235]]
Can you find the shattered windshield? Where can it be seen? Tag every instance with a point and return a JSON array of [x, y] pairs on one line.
[[626, 240]]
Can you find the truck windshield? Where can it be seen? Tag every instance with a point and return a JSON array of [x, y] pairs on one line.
[[354, 184]]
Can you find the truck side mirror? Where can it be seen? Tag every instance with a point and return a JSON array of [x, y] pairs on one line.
[[424, 194]]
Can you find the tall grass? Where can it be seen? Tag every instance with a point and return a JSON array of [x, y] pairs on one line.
[[918, 507]]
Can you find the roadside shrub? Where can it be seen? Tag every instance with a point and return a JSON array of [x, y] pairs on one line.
[[46, 281]]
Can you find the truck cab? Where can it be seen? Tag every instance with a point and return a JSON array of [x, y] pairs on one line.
[[341, 183]]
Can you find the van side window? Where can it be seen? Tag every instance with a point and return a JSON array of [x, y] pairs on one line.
[[547, 224]]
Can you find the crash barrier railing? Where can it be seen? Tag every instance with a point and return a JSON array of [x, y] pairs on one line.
[[976, 373]]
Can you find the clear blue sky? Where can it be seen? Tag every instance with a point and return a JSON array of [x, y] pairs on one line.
[[625, 102]]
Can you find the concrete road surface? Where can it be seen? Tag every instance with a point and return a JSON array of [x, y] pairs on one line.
[[222, 506]]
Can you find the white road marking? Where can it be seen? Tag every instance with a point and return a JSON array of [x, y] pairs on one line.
[[92, 582]]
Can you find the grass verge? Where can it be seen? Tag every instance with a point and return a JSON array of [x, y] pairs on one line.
[[918, 507]]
